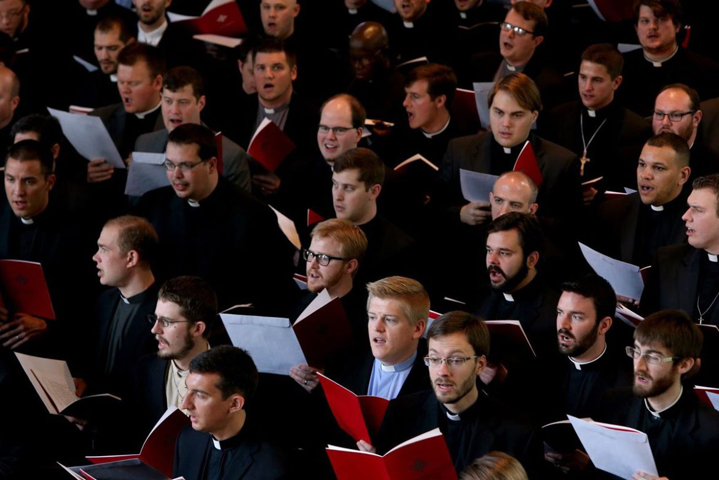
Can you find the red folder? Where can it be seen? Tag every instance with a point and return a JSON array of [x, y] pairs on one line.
[[509, 334], [358, 415], [24, 288], [702, 394], [221, 17], [158, 450], [270, 145], [323, 332], [424, 457], [313, 217], [527, 163], [464, 109]]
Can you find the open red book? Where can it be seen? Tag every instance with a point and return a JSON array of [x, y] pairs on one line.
[[424, 457], [221, 17], [323, 329], [270, 145], [313, 217], [158, 451], [464, 109], [358, 415], [509, 335], [527, 163], [24, 289], [708, 395]]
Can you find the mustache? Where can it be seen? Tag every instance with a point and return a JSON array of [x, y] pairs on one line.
[[564, 331], [496, 269]]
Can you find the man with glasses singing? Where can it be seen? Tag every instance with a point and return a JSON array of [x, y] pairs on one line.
[[683, 432], [472, 422], [211, 229]]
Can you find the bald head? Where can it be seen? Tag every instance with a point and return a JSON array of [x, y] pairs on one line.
[[9, 95], [513, 192], [368, 46]]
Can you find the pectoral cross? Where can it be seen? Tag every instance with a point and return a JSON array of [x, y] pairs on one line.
[[584, 160]]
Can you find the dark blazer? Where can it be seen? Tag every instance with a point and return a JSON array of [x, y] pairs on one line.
[[148, 400], [709, 125], [114, 118], [253, 459], [234, 158]]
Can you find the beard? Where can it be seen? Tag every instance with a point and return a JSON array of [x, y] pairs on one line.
[[655, 388], [510, 283], [580, 345], [187, 346]]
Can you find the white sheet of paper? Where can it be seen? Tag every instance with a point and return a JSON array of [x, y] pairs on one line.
[[55, 368], [481, 94], [146, 173], [85, 64], [386, 4], [57, 387], [221, 40], [89, 136], [288, 228], [622, 453], [628, 47], [714, 398], [629, 191], [623, 277], [270, 341], [322, 299], [475, 185]]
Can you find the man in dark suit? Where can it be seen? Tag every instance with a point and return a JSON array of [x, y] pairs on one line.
[[183, 99], [211, 229], [710, 125], [9, 101], [683, 432], [633, 227], [420, 29], [224, 442], [472, 422]]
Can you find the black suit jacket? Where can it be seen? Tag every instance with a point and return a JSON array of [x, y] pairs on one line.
[[115, 117], [147, 400]]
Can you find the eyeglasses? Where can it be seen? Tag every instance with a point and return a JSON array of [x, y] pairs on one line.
[[518, 30], [649, 358], [165, 322], [322, 258], [184, 167], [338, 131], [452, 362], [673, 116]]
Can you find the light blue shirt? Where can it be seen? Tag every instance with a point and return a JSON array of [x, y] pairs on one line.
[[386, 380]]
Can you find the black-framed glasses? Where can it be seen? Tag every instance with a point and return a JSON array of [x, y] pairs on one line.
[[338, 131], [673, 116], [506, 26], [322, 258], [164, 321], [649, 358], [183, 166], [452, 362]]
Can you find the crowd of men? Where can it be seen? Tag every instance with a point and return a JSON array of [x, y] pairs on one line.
[[627, 150]]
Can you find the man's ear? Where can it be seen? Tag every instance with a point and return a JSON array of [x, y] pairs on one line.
[[604, 325], [201, 102], [375, 190], [533, 259], [133, 258], [352, 266], [237, 403], [419, 328], [533, 208], [198, 329], [685, 365]]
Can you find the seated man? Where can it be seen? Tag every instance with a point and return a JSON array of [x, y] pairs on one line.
[[223, 441], [472, 422], [683, 432], [183, 99], [210, 229]]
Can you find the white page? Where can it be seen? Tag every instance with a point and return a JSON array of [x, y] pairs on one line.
[[623, 277], [288, 228], [475, 185], [85, 64], [146, 173], [89, 136], [622, 453], [481, 96], [628, 47], [714, 398], [386, 4], [30, 363], [270, 341], [221, 40], [322, 299], [57, 387]]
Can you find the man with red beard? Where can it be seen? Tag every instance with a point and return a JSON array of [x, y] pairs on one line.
[[683, 432]]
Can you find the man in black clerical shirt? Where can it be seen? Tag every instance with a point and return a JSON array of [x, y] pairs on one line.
[[224, 442], [633, 227], [472, 422], [420, 29], [10, 95], [211, 229]]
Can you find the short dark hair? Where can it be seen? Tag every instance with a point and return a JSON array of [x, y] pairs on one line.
[[711, 182], [190, 133], [531, 237], [520, 87], [32, 150], [674, 330], [470, 325], [141, 52], [107, 23], [136, 233], [441, 80], [194, 296], [371, 168], [694, 100], [47, 127], [661, 8], [533, 13], [676, 143], [273, 45], [359, 114], [246, 48], [607, 55], [598, 290], [178, 77], [236, 369]]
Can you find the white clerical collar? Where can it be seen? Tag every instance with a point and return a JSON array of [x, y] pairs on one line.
[[453, 417], [658, 64], [91, 12], [153, 37], [430, 135], [463, 15], [269, 111], [578, 365], [511, 68], [591, 113], [658, 414], [193, 203], [712, 257], [507, 150], [657, 208], [113, 78], [408, 24], [142, 115], [216, 443], [508, 297], [27, 221], [352, 11], [125, 300]]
